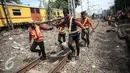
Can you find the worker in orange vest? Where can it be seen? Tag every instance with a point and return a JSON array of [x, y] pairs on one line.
[[128, 15], [61, 34], [36, 34], [86, 22], [109, 19]]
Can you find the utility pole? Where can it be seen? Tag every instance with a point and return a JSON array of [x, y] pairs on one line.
[[81, 5], [125, 5], [71, 6], [74, 8], [88, 6], [49, 10], [41, 3]]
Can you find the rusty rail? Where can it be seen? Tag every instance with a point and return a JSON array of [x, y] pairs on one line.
[[56, 69], [29, 66], [61, 64]]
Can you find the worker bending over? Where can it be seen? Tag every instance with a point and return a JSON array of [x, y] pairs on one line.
[[86, 22], [72, 24], [36, 34]]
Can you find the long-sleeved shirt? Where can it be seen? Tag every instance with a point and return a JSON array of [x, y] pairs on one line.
[[75, 21]]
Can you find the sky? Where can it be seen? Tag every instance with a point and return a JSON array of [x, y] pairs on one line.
[[100, 4]]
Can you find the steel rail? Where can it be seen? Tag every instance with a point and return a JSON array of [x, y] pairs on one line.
[[37, 60], [61, 64], [29, 66]]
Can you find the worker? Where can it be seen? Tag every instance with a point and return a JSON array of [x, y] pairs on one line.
[[86, 22], [36, 34], [61, 34], [72, 24], [128, 15], [109, 19]]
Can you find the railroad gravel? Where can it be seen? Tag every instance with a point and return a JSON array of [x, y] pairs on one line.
[[15, 49], [107, 54]]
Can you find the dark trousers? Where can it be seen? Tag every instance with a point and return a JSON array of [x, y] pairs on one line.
[[61, 38], [42, 48], [70, 41], [109, 22], [86, 39]]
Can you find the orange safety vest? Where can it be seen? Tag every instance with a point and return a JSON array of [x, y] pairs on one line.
[[85, 22], [128, 15], [62, 30], [36, 34], [109, 17]]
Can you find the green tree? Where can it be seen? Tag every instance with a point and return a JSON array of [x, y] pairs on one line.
[[58, 4], [122, 4], [63, 4], [109, 12]]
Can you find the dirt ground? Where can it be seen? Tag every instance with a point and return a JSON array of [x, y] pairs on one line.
[[15, 49], [107, 54]]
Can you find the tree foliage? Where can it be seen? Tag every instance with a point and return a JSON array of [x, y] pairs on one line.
[[63, 4], [121, 4], [58, 4]]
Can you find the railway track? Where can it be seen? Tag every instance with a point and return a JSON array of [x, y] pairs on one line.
[[57, 67], [29, 66], [61, 64]]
